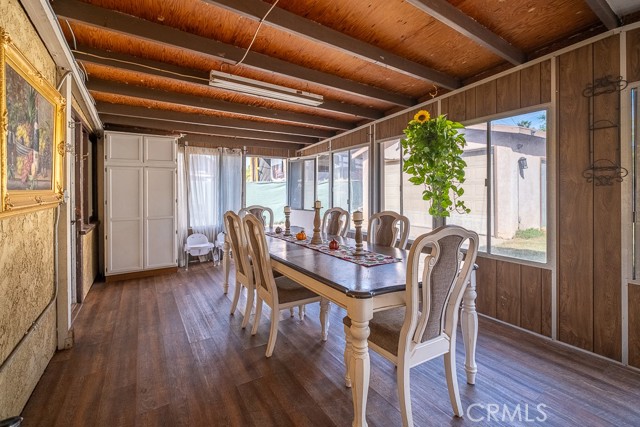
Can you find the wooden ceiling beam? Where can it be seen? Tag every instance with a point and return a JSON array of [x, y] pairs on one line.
[[311, 30], [450, 15], [203, 121], [123, 89], [219, 122], [197, 140], [604, 12], [135, 122], [75, 10], [162, 69]]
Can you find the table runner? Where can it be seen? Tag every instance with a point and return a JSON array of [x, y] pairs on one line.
[[369, 259]]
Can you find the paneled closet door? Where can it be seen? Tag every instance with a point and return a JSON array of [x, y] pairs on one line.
[[124, 237], [160, 217]]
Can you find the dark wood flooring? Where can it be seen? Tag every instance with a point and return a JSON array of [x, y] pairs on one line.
[[164, 351]]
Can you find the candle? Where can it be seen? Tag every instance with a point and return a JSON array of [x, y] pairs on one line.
[[287, 209], [318, 204], [357, 216]]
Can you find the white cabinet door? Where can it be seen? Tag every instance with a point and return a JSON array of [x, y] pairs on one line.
[[123, 148], [160, 150], [160, 217], [124, 237]]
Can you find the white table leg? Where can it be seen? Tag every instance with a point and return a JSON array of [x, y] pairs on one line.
[[359, 366], [325, 308], [469, 320], [226, 249]]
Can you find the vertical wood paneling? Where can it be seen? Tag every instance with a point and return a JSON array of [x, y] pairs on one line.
[[360, 136], [486, 286], [531, 298], [575, 202], [530, 86], [457, 107], [545, 81], [508, 92], [470, 103], [606, 210], [444, 107], [633, 55], [508, 292], [486, 99], [634, 325], [546, 308]]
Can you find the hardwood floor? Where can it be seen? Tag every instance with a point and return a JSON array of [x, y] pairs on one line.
[[164, 351]]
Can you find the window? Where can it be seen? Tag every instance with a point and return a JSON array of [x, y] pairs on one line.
[[266, 184], [302, 188], [324, 177], [351, 180], [517, 175], [399, 194]]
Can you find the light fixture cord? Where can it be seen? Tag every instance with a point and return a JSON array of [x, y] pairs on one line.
[[256, 34]]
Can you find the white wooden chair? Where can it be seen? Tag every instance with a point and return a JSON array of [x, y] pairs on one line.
[[335, 221], [244, 269], [384, 228], [197, 244], [281, 293], [408, 336], [259, 212]]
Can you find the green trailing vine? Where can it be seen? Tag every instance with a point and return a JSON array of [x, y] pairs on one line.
[[434, 149]]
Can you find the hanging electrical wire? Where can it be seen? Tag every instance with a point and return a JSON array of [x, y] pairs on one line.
[[256, 34]]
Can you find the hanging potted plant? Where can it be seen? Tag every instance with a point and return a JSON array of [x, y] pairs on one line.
[[433, 150]]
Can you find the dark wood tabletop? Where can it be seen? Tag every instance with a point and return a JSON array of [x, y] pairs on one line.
[[354, 280]]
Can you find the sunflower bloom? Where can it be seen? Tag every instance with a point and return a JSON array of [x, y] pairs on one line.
[[422, 116]]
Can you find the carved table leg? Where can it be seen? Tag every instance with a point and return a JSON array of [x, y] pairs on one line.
[[325, 308], [225, 265], [359, 370], [469, 320]]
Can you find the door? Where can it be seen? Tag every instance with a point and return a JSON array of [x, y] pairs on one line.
[[160, 227]]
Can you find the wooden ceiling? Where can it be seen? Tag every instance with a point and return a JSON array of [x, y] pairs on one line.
[[148, 61]]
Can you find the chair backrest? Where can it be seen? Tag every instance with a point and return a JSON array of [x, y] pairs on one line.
[[197, 239], [432, 309], [237, 240], [336, 222], [259, 212], [259, 253], [384, 228]]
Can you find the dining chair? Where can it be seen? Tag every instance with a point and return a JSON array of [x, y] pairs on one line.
[[384, 228], [408, 335], [244, 269], [259, 212], [279, 293], [336, 222]]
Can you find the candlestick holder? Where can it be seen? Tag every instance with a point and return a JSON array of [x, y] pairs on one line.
[[358, 225], [316, 239], [287, 224]]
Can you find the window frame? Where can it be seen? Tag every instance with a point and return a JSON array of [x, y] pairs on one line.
[[302, 161]]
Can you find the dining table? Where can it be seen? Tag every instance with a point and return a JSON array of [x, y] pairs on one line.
[[361, 290]]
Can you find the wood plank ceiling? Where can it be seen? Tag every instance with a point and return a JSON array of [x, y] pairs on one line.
[[148, 61]]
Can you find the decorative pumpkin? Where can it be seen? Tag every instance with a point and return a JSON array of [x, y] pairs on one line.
[[301, 235], [333, 245], [278, 230]]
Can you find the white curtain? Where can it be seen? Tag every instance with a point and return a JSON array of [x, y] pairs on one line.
[[203, 165], [231, 197], [183, 212]]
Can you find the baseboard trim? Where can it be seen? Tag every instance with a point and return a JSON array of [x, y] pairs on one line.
[[140, 274]]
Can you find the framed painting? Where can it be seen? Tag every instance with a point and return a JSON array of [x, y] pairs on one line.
[[31, 140]]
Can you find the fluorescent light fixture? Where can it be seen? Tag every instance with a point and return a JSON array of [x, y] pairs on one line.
[[266, 90]]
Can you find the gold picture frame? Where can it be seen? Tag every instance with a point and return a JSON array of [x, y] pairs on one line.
[[31, 134]]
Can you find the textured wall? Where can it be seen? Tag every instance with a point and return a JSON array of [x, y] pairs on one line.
[[26, 259], [89, 260]]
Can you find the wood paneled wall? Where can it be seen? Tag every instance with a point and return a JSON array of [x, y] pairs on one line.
[[633, 55], [514, 293], [589, 216], [520, 89], [634, 325], [321, 147], [358, 137], [393, 126]]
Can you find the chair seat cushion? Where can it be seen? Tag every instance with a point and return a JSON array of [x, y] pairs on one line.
[[291, 291], [384, 328]]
